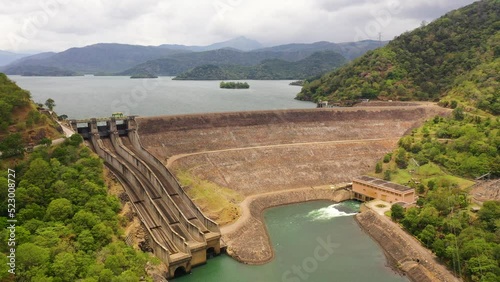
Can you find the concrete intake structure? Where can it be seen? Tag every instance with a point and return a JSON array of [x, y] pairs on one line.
[[181, 236]]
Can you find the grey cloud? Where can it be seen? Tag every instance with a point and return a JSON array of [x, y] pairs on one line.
[[197, 22], [426, 10]]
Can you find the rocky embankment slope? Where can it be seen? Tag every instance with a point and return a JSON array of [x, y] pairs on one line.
[[403, 251], [258, 152]]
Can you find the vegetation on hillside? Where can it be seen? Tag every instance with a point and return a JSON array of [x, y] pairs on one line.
[[20, 121], [457, 51], [143, 75], [317, 63], [36, 70], [67, 225], [11, 98], [467, 242], [234, 85], [466, 146]]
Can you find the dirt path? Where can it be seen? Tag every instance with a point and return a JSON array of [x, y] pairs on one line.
[[174, 158], [67, 131]]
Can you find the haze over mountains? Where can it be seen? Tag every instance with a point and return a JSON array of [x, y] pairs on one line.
[[171, 59], [9, 57]]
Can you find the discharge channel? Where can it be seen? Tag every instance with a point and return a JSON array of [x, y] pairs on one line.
[[315, 242]]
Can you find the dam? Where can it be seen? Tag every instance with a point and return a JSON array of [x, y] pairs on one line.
[[180, 235], [251, 153]]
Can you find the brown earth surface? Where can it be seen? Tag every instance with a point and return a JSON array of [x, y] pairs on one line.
[[167, 136], [486, 191], [260, 170], [258, 152]]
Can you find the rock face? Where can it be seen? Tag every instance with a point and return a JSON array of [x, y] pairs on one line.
[[402, 250]]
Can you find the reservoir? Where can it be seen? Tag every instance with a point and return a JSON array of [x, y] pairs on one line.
[[315, 242], [98, 96]]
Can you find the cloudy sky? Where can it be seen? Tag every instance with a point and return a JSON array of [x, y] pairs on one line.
[[55, 25]]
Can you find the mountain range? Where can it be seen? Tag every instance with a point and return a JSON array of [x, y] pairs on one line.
[[9, 57], [313, 65], [240, 43], [171, 59]]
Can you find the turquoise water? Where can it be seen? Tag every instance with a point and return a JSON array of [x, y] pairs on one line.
[[299, 234], [99, 96]]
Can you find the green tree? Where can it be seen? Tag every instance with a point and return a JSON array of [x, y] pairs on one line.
[[428, 235], [31, 261], [102, 233], [86, 241], [59, 210], [378, 167], [411, 219], [12, 145], [64, 267], [50, 103], [489, 213], [431, 184], [46, 141], [397, 212], [453, 104], [458, 113], [401, 159], [387, 158], [38, 174], [481, 265], [74, 140], [387, 175]]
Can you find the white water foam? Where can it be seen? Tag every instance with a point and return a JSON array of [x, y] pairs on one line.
[[327, 213]]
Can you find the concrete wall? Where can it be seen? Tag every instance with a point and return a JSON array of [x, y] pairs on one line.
[[211, 225], [167, 202], [158, 248]]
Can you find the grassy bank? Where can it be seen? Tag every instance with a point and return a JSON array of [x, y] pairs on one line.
[[218, 203]]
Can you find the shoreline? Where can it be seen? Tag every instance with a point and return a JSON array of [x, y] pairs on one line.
[[247, 238], [403, 252]]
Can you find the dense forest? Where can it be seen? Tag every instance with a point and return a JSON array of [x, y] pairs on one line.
[[459, 51], [68, 228], [317, 63]]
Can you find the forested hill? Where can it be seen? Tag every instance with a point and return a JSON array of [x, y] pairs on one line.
[[20, 121], [457, 51], [314, 65]]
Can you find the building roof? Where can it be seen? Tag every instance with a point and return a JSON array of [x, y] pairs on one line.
[[382, 183]]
